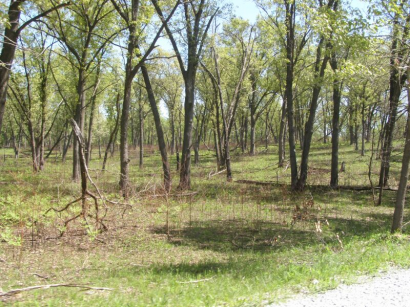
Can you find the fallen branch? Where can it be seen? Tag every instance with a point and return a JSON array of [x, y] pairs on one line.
[[211, 174], [40, 276], [255, 182], [171, 195], [343, 187], [195, 281], [17, 291]]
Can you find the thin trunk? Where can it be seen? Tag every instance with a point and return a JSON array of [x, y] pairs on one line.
[[395, 91], [334, 172], [363, 129], [114, 132], [33, 146], [66, 146], [356, 135], [141, 151], [267, 130], [324, 124], [129, 76], [242, 134], [282, 138], [172, 124], [79, 118], [124, 160], [160, 134], [401, 193], [185, 171], [217, 150], [252, 150], [320, 67], [91, 121], [11, 34], [99, 148], [290, 49]]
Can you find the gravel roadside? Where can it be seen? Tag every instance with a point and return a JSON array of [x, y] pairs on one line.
[[390, 290]]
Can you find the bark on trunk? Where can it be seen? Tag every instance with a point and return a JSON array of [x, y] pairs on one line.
[[307, 140], [252, 150], [401, 193], [185, 170], [113, 133], [7, 53], [290, 8], [172, 126], [141, 144], [91, 121], [66, 146], [282, 129], [79, 118], [158, 126], [334, 172]]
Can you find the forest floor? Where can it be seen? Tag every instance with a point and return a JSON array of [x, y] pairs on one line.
[[221, 244]]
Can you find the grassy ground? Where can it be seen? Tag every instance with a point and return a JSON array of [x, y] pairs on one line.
[[228, 244]]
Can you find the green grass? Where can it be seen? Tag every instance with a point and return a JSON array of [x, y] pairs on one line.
[[228, 245]]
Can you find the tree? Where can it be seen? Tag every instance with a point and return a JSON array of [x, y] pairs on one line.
[[135, 21], [263, 92], [170, 88], [30, 90], [198, 16], [11, 35], [322, 58], [158, 127], [401, 193], [242, 33], [400, 21], [80, 31]]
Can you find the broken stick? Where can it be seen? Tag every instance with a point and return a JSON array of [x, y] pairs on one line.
[[17, 291]]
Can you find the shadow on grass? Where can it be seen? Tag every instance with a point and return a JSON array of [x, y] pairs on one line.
[[241, 236]]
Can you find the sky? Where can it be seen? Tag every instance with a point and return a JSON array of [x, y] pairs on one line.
[[245, 9], [248, 10]]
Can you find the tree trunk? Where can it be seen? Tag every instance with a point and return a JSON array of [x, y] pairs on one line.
[[401, 193], [282, 138], [141, 151], [91, 121], [217, 150], [351, 133], [66, 146], [320, 67], [267, 130], [160, 133], [114, 132], [33, 146], [363, 129], [252, 149], [218, 142], [172, 126], [99, 148], [334, 172], [124, 160], [8, 51], [324, 123], [290, 43], [79, 118], [395, 90], [185, 171], [242, 134]]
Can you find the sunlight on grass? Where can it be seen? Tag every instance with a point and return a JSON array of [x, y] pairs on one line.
[[227, 244]]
